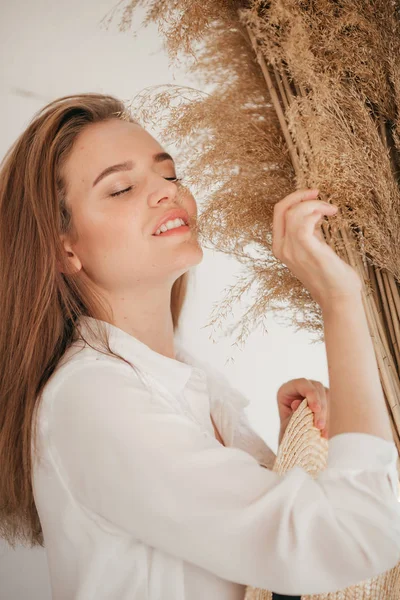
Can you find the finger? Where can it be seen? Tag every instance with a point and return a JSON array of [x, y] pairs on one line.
[[322, 417], [316, 405], [300, 222], [314, 210], [296, 197], [313, 396], [295, 404], [305, 388], [315, 402], [295, 388], [317, 408], [306, 232], [278, 225], [318, 232], [310, 389], [324, 433]]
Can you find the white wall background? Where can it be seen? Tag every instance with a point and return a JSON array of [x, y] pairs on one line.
[[49, 49]]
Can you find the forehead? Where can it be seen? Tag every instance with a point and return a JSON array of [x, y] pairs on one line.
[[100, 145]]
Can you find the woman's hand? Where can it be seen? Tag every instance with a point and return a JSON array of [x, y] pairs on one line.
[[305, 252], [291, 395]]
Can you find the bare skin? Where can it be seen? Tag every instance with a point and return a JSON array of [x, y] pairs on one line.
[[357, 403], [129, 266], [132, 268], [135, 270]]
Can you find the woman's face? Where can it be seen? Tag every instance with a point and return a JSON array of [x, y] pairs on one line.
[[116, 245]]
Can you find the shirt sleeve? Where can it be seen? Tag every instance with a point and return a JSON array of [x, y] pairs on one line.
[[247, 438], [156, 475]]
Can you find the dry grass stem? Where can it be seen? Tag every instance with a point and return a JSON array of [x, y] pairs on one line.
[[299, 94]]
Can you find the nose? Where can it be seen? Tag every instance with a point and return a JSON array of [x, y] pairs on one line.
[[163, 191]]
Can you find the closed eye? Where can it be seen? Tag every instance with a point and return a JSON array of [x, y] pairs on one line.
[[122, 191], [131, 186]]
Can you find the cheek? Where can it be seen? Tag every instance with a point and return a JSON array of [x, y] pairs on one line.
[[190, 205], [107, 237]]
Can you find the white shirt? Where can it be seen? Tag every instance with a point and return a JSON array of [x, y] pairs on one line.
[[139, 501]]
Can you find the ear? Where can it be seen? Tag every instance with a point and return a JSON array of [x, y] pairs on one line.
[[74, 265]]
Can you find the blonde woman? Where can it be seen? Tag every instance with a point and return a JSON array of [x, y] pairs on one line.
[[130, 460]]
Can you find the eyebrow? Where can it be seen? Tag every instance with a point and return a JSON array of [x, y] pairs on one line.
[[129, 164]]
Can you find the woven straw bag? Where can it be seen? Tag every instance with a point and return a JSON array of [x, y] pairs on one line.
[[303, 445]]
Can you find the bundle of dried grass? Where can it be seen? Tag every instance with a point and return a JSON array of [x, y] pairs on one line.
[[303, 93]]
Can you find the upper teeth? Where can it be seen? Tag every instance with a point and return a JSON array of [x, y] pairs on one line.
[[170, 225]]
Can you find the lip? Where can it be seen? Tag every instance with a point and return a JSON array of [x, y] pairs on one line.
[[176, 213]]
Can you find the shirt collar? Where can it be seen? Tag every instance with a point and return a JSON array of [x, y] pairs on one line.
[[172, 373]]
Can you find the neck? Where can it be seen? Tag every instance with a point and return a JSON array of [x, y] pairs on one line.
[[147, 316]]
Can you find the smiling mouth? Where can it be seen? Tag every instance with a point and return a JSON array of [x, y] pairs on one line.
[[180, 229]]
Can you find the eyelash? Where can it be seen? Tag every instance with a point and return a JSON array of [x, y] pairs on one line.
[[131, 186]]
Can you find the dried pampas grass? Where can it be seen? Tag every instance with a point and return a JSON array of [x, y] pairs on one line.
[[300, 93], [303, 93]]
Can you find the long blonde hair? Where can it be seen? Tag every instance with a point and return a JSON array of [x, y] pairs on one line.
[[39, 301]]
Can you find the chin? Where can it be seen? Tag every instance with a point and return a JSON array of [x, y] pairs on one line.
[[187, 260]]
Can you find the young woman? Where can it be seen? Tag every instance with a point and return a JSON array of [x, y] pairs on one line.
[[129, 460]]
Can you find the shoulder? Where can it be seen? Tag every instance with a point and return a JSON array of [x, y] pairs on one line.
[[87, 379]]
